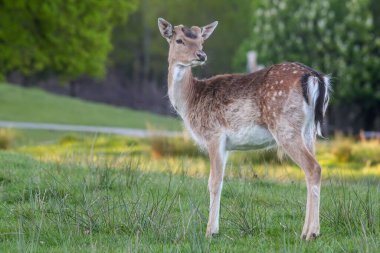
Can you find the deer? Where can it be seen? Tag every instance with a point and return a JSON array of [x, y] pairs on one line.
[[279, 106]]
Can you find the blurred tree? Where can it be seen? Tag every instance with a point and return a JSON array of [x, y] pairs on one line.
[[337, 37], [375, 8], [147, 59], [66, 38]]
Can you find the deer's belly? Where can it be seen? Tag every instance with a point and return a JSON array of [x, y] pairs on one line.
[[249, 138]]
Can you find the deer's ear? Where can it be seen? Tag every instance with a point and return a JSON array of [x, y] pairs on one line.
[[166, 29], [208, 29]]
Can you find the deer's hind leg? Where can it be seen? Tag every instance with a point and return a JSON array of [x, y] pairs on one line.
[[301, 151]]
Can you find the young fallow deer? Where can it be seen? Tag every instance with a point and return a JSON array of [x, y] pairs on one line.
[[282, 105]]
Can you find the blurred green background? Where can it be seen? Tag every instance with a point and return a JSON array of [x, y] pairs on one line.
[[112, 52]]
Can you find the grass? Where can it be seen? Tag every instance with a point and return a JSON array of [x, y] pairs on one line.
[[35, 105], [75, 192], [55, 207]]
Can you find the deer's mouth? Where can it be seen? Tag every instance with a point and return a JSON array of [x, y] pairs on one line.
[[193, 63], [197, 62]]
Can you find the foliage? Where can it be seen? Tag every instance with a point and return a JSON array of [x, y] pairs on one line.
[[65, 38], [330, 35], [35, 105]]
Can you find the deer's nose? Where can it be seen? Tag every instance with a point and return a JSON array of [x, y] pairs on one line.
[[201, 56]]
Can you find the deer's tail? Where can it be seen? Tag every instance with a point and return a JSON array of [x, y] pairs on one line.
[[316, 91]]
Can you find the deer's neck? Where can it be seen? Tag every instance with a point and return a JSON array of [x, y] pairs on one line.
[[180, 87]]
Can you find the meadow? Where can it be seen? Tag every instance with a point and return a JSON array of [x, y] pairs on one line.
[[71, 192], [76, 192]]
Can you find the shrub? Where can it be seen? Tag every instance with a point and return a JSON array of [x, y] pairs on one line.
[[69, 139], [367, 153], [343, 150], [173, 146], [6, 138]]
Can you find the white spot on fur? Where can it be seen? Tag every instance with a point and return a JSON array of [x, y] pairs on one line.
[[281, 81], [295, 72], [280, 93]]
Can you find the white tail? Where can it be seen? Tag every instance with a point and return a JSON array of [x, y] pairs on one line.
[[282, 105]]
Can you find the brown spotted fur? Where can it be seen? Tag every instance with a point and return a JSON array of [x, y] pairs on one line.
[[216, 102]]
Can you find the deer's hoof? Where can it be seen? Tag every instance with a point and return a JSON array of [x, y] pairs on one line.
[[309, 236], [211, 233]]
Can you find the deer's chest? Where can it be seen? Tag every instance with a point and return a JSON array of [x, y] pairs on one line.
[[197, 136]]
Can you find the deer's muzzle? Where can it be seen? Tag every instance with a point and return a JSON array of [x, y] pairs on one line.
[[201, 56]]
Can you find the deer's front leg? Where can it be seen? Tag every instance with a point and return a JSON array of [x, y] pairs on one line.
[[218, 158]]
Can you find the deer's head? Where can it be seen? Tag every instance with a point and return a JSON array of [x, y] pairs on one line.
[[186, 44]]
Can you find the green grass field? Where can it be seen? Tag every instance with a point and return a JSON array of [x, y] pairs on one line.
[[35, 105], [53, 207], [76, 192]]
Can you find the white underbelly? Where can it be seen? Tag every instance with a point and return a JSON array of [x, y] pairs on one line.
[[249, 138]]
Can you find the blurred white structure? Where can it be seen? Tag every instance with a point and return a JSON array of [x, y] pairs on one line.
[[252, 65]]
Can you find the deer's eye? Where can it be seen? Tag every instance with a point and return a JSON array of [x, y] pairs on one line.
[[180, 42]]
